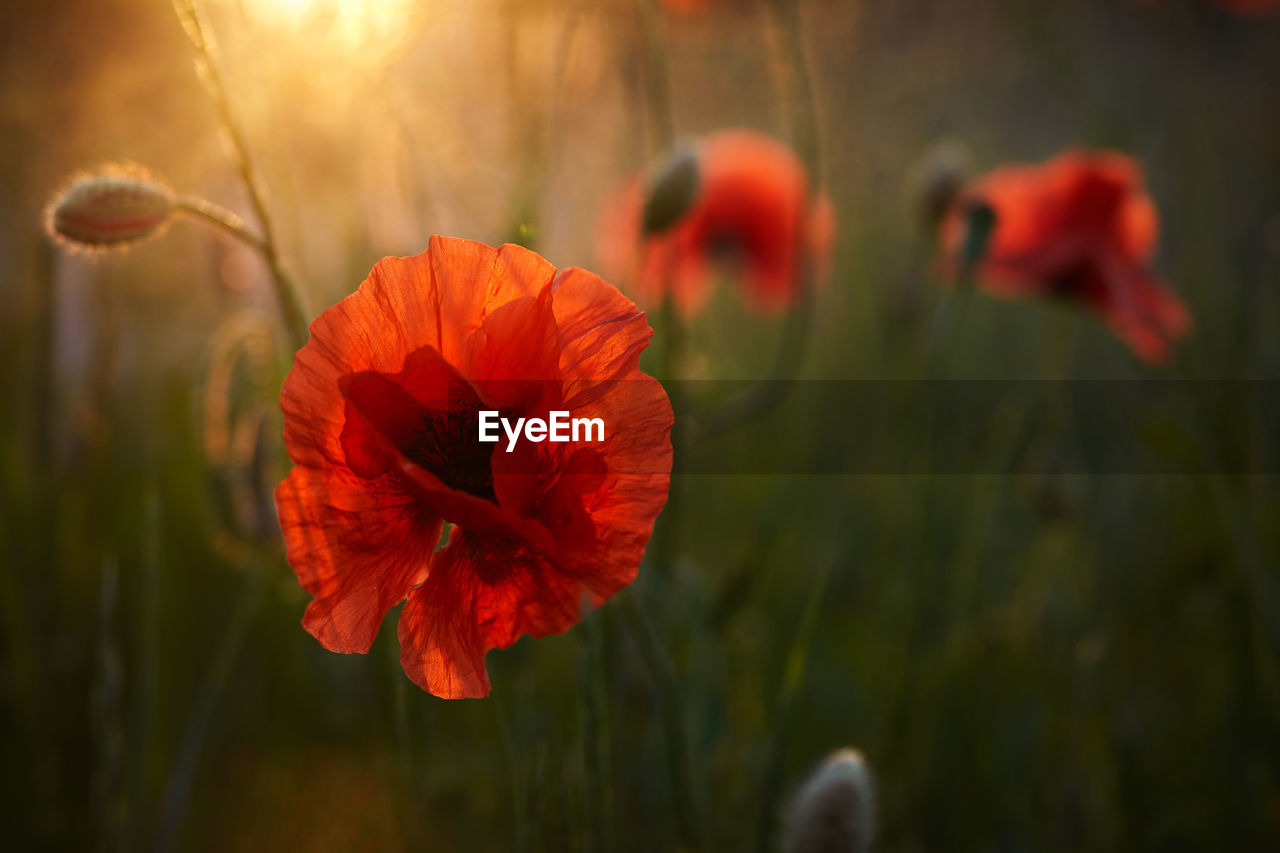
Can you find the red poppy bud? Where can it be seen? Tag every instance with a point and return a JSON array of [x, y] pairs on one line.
[[937, 178], [117, 206]]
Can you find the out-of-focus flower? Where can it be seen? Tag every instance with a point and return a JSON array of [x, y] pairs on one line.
[[1080, 227], [686, 6], [1251, 7], [743, 212], [381, 423], [114, 206], [834, 811]]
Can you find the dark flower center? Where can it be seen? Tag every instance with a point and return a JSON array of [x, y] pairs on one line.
[[448, 446], [724, 245]]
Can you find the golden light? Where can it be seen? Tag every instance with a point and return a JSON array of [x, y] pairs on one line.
[[370, 28]]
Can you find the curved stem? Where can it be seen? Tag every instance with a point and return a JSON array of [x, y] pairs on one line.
[[191, 14], [657, 81], [221, 218], [596, 758], [797, 90], [792, 680], [667, 696], [680, 767], [178, 789]]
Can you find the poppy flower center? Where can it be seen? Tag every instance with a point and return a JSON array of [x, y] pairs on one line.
[[448, 446], [724, 245]]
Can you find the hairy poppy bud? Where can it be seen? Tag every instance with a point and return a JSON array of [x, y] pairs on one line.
[[671, 193], [832, 813], [113, 207], [937, 178]]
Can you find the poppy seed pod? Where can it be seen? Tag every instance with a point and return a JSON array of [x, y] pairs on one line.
[[833, 810], [671, 193], [116, 206], [937, 178]]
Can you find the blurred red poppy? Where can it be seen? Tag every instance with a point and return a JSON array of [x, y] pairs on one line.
[[1251, 7], [1080, 227], [746, 192], [686, 6], [381, 422]]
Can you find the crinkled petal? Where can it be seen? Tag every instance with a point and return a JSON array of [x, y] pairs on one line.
[[358, 546], [602, 333], [457, 615], [484, 592], [470, 280], [1140, 310], [437, 299]]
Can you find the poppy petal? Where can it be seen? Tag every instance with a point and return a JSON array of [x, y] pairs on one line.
[[358, 546], [602, 333], [483, 593], [745, 216], [457, 615], [470, 280]]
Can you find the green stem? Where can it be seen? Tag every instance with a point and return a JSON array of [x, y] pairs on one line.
[[792, 679], [675, 737], [220, 218], [145, 664], [796, 86], [191, 14], [679, 769], [178, 789], [657, 78], [521, 829], [597, 770]]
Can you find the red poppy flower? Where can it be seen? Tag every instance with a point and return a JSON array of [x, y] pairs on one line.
[[381, 422], [744, 213], [1251, 7], [1081, 227], [686, 6]]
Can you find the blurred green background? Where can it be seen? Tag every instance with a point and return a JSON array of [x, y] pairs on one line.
[[1061, 659]]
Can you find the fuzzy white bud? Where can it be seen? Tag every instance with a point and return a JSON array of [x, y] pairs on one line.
[[834, 811], [115, 206]]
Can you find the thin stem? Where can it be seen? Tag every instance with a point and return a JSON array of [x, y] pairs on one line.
[[178, 789], [144, 698], [1254, 572], [597, 769], [792, 679], [657, 79], [109, 789], [521, 828], [191, 15], [947, 319], [797, 91], [222, 219], [679, 768]]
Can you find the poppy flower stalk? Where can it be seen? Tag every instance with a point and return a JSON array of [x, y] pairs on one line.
[[196, 25]]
